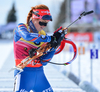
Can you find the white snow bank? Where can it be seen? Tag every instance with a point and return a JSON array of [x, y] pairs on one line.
[[5, 48]]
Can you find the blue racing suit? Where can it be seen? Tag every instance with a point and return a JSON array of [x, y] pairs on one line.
[[33, 77]]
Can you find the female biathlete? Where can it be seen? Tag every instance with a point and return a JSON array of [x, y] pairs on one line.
[[28, 37]]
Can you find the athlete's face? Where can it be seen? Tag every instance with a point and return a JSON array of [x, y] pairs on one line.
[[40, 24]]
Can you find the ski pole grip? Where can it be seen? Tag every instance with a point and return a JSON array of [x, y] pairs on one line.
[[86, 13]]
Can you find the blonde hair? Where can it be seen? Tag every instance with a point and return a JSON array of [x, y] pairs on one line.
[[41, 6]]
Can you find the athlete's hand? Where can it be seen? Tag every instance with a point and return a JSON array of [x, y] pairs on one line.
[[59, 34], [57, 37], [53, 42], [32, 52]]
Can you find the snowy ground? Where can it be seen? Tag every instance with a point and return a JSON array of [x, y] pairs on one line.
[[85, 63], [5, 47]]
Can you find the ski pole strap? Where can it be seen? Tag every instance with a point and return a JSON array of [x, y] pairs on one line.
[[74, 48], [61, 47]]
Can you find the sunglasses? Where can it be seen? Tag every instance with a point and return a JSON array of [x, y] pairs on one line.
[[42, 23], [47, 17]]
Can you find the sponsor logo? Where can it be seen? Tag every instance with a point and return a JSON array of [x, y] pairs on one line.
[[47, 12], [43, 36], [80, 36], [47, 90], [23, 90]]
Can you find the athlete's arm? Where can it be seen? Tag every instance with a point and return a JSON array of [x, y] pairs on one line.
[[34, 37], [46, 58]]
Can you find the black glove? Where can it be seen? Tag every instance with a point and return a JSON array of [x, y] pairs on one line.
[[53, 42], [59, 36], [32, 52]]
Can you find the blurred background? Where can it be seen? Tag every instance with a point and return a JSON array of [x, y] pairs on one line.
[[63, 12], [85, 33]]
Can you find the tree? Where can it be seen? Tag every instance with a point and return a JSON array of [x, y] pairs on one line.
[[61, 17], [11, 15]]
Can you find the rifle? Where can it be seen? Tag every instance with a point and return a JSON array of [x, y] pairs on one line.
[[47, 46]]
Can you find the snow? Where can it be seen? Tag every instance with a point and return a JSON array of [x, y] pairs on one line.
[[6, 46], [5, 49]]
